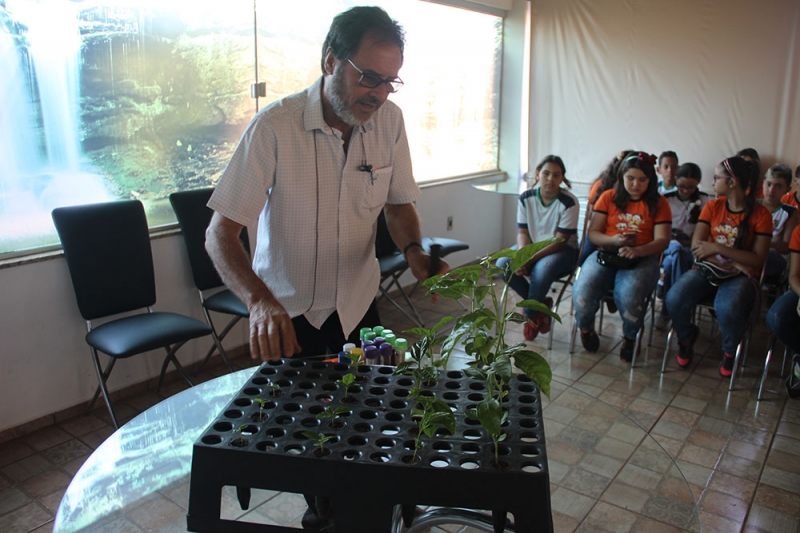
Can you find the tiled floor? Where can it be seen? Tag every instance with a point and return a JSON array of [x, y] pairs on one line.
[[740, 457]]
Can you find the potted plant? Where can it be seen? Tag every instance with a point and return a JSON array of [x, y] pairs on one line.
[[482, 332]]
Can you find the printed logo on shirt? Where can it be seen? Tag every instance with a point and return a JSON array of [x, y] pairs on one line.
[[629, 222], [726, 234]]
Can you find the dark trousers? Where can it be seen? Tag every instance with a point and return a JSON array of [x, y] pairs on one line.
[[330, 338]]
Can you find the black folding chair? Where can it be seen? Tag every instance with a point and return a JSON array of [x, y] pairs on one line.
[[193, 217], [107, 249]]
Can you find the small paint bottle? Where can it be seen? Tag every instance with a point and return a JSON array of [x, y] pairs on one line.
[[387, 351], [372, 355], [369, 336]]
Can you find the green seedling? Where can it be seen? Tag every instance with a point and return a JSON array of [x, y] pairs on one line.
[[346, 381], [319, 439], [260, 402], [433, 415], [355, 361], [333, 413], [276, 389], [238, 436]]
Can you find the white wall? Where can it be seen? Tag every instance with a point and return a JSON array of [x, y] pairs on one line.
[[704, 79]]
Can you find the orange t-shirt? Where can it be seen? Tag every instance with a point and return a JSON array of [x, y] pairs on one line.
[[794, 241], [790, 199], [636, 218], [594, 189], [725, 224]]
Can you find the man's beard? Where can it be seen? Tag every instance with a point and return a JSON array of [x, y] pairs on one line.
[[339, 104]]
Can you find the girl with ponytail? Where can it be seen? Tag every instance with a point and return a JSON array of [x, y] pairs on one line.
[[733, 233]]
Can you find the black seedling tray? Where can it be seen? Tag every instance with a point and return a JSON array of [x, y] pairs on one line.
[[367, 468]]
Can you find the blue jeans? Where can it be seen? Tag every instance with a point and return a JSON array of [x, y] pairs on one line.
[[677, 260], [733, 301], [588, 248], [543, 273], [631, 287], [783, 321]]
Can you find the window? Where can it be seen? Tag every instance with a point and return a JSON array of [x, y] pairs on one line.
[[140, 98]]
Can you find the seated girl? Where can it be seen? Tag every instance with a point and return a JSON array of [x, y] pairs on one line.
[[631, 226], [733, 234], [605, 181], [783, 318], [785, 218], [686, 203], [546, 210]]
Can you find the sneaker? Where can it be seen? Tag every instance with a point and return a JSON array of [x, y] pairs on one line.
[[626, 352], [530, 330], [793, 381], [726, 366], [686, 349], [590, 340], [545, 322], [662, 322]]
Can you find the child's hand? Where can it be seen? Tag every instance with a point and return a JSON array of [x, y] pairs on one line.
[[701, 250], [624, 239]]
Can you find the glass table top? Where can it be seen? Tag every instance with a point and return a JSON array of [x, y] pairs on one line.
[[593, 457]]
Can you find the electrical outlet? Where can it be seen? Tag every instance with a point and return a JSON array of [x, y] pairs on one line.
[[450, 223]]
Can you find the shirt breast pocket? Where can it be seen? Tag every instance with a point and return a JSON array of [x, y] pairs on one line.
[[375, 189]]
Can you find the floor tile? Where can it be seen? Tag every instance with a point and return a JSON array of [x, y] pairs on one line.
[[738, 487], [724, 505]]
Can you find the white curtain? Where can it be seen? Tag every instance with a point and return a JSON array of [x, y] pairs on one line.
[[704, 78]]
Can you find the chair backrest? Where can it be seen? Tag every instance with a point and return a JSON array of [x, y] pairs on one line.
[[193, 217], [384, 245], [107, 248]]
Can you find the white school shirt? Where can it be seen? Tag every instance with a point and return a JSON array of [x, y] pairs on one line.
[[542, 221], [682, 210], [316, 210]]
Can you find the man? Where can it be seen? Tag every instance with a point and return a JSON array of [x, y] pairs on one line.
[[316, 168]]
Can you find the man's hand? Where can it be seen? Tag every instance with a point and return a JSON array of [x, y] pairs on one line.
[[419, 261], [272, 334]]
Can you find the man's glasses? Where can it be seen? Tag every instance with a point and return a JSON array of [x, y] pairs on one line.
[[370, 81]]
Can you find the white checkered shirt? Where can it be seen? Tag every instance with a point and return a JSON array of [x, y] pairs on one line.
[[316, 211]]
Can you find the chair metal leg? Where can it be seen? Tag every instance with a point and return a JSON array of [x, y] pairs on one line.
[[739, 350], [572, 337], [171, 358], [666, 349], [766, 369], [638, 346], [783, 364], [602, 306], [102, 376], [217, 341]]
